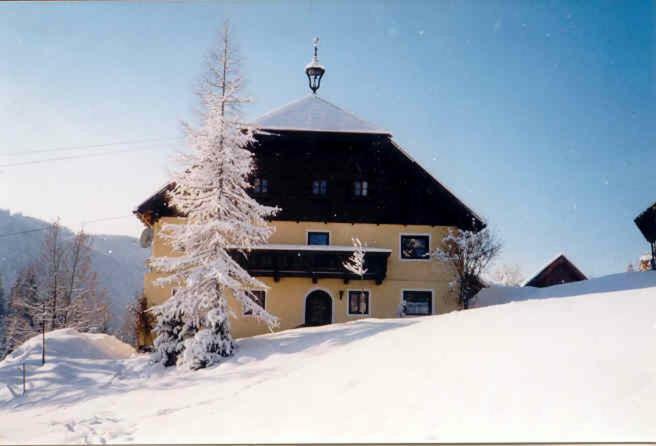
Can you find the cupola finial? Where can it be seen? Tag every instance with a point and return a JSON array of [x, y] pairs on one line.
[[314, 69]]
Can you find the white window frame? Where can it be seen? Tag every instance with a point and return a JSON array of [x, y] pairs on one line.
[[411, 234], [265, 302], [430, 290], [325, 231], [348, 303]]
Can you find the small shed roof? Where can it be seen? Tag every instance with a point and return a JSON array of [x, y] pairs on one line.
[[560, 260]]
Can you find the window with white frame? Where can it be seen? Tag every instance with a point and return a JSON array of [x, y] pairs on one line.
[[358, 302], [417, 302], [259, 296], [318, 238], [415, 246]]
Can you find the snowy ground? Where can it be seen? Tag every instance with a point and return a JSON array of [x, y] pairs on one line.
[[568, 369]]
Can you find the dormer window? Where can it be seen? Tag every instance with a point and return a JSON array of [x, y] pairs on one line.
[[360, 188], [319, 187], [261, 185]]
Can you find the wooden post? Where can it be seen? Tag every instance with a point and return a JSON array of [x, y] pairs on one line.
[[43, 338]]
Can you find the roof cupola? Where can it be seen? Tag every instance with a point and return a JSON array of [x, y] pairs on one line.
[[314, 69]]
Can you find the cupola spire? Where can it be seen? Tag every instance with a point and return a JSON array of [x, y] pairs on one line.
[[314, 69]]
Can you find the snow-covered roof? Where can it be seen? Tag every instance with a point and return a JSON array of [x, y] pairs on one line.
[[335, 248], [314, 114]]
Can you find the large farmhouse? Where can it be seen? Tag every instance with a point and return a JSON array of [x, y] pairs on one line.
[[335, 176]]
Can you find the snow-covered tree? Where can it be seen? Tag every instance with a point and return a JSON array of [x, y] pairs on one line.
[[169, 340], [3, 318], [468, 253], [28, 312], [86, 305], [51, 270], [59, 289], [355, 263], [508, 275], [221, 220]]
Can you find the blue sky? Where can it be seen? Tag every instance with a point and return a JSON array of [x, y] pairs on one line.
[[539, 115]]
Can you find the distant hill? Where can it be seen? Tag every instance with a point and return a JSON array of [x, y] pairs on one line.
[[118, 260]]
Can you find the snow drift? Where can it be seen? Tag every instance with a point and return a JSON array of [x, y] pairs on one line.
[[570, 369], [496, 295]]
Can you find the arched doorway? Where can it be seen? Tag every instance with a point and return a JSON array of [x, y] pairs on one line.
[[318, 308]]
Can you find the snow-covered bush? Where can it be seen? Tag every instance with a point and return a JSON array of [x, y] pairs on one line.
[[468, 254]]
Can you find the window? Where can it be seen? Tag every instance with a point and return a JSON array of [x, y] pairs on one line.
[[319, 187], [415, 247], [360, 188], [358, 302], [261, 185], [417, 303], [260, 297], [318, 238]]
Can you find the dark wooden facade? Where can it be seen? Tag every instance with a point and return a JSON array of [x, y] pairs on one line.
[[646, 223], [315, 264], [557, 272], [400, 191]]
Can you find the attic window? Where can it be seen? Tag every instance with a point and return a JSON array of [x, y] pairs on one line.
[[261, 185], [319, 187], [360, 188]]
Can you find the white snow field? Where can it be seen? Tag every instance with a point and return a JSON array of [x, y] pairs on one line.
[[579, 368]]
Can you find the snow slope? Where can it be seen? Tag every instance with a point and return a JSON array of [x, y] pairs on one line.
[[496, 295], [572, 369]]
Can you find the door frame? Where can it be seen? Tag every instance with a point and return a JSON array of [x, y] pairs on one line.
[[332, 302]]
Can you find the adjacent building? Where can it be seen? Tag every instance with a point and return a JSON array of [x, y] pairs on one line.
[[646, 223], [557, 271]]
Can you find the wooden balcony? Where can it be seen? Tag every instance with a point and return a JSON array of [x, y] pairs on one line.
[[312, 261]]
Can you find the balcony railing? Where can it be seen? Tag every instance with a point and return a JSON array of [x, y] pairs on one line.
[[312, 261]]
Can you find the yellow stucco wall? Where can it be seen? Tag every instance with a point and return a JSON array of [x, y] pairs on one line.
[[286, 298]]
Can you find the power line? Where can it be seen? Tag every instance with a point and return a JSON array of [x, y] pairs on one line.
[[28, 231], [71, 157], [92, 146]]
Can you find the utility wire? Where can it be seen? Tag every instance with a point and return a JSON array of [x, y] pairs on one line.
[[28, 231], [93, 146], [71, 157]]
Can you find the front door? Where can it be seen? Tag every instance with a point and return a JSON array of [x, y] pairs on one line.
[[318, 308]]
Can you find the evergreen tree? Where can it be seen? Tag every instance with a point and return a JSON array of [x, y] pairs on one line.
[[221, 218], [3, 318], [26, 312], [169, 341]]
